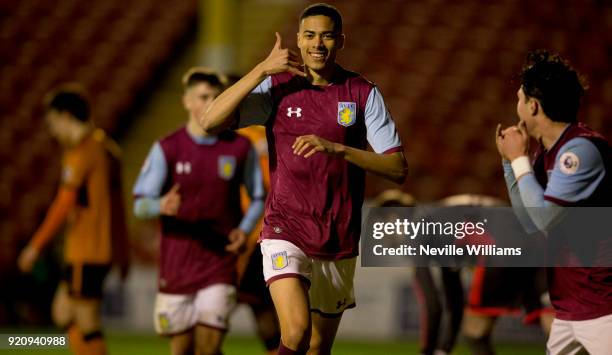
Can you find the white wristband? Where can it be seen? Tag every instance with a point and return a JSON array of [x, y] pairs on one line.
[[521, 166]]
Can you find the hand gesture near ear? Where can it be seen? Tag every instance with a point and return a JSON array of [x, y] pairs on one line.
[[282, 60]]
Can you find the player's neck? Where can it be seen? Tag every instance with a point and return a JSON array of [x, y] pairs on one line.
[[322, 77], [80, 133], [552, 133], [194, 128]]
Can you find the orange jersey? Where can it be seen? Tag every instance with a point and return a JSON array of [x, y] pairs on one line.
[[97, 221], [257, 136]]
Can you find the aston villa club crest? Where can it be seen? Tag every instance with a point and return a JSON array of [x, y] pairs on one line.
[[279, 260], [227, 166], [164, 321], [347, 113]]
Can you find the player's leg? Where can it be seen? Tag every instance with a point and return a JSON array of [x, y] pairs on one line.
[[208, 340], [324, 331], [454, 305], [254, 292], [477, 330], [562, 340], [267, 326], [174, 317], [332, 293], [430, 309], [213, 306], [182, 344], [290, 296], [63, 317], [87, 317], [287, 271], [85, 289]]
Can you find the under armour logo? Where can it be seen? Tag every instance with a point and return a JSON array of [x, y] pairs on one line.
[[297, 112], [183, 167], [341, 304]]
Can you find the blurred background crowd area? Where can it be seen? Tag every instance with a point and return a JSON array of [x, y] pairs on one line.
[[447, 69]]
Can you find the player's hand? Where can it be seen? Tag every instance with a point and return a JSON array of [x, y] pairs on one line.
[[282, 60], [311, 144], [169, 203], [514, 142], [237, 238], [27, 259], [499, 136]]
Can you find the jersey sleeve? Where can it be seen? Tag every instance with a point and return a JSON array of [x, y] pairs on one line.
[[75, 166], [577, 172], [152, 174], [381, 132], [253, 182], [256, 108]]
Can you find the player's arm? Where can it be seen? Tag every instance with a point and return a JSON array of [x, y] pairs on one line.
[[253, 181], [387, 160], [74, 170], [223, 111], [148, 202], [565, 185]]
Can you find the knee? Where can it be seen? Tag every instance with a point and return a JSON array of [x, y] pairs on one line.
[[208, 349], [61, 318], [297, 334]]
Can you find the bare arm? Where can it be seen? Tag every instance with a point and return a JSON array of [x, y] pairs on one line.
[[222, 112], [390, 166]]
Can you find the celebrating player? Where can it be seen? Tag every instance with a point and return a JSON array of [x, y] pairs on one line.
[[191, 181], [319, 119], [90, 199], [571, 168]]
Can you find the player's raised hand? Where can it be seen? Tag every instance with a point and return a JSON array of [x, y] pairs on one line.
[[237, 241], [311, 144], [499, 136], [282, 60], [27, 259], [169, 203], [514, 141]]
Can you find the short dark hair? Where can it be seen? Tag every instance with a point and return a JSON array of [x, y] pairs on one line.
[[554, 83], [324, 10], [69, 98], [199, 75]]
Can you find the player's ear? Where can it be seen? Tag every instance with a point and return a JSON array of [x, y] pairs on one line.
[[534, 106], [341, 39], [186, 102]]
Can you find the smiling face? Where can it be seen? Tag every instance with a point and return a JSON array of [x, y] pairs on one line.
[[318, 42]]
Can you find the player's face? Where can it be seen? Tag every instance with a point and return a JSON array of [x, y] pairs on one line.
[[198, 98], [60, 126], [524, 110], [318, 43]]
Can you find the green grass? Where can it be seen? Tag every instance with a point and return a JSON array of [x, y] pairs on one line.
[[135, 344]]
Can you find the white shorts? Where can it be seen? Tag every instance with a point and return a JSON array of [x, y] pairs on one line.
[[331, 282], [210, 307], [593, 336]]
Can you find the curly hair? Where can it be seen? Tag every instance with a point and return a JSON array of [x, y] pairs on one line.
[[554, 83]]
